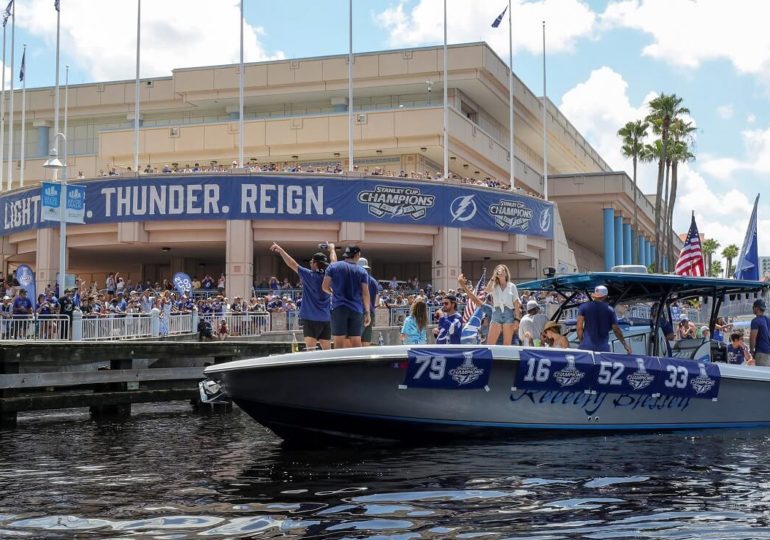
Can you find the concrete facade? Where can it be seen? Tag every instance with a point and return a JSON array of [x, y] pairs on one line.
[[295, 113]]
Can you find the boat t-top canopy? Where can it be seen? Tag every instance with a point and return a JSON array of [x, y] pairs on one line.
[[626, 287]]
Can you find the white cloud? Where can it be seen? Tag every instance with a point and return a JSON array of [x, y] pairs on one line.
[[567, 21], [598, 108], [751, 118], [87, 26], [725, 112], [687, 33], [757, 157]]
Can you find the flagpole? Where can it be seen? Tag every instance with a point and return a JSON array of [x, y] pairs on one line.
[[240, 99], [350, 86], [65, 169], [9, 180], [545, 127], [23, 113], [6, 14], [55, 154], [511, 143], [137, 98], [446, 101]]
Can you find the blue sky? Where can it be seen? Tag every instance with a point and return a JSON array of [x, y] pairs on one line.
[[605, 59]]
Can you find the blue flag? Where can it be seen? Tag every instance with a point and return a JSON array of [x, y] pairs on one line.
[[23, 63], [747, 266], [7, 13], [499, 19]]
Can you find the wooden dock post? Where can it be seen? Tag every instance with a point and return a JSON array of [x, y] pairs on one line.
[[116, 411]]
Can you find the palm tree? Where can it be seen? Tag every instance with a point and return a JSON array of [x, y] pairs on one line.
[[715, 268], [679, 152], [709, 247], [664, 109], [633, 135], [730, 253]]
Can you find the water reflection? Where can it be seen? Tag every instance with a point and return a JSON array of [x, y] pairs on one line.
[[173, 474]]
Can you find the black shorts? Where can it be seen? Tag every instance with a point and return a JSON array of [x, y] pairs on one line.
[[347, 322], [317, 329]]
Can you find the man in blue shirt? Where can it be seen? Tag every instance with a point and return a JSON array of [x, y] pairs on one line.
[[450, 323], [594, 322], [315, 309], [759, 339], [348, 284], [374, 294]]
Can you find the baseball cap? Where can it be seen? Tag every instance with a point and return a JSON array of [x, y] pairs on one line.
[[532, 304], [683, 317], [600, 291], [759, 303], [351, 251], [6, 297], [364, 263], [320, 258]]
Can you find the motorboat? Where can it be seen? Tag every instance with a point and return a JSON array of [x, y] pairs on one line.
[[459, 391]]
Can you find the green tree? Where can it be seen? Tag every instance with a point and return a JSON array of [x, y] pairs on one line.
[[664, 109], [632, 136], [715, 269], [679, 152], [709, 247], [730, 253]]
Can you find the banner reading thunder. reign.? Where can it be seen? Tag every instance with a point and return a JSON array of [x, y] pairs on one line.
[[291, 198]]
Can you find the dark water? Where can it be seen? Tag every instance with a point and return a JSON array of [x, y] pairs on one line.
[[167, 473]]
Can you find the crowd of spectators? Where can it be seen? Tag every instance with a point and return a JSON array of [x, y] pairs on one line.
[[336, 168]]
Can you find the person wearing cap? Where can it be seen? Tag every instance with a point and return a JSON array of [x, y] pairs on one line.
[[686, 328], [532, 324], [348, 284], [6, 309], [553, 336], [374, 298], [759, 338], [594, 322], [315, 309]]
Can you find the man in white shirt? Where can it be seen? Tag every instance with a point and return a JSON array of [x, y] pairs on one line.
[[532, 324]]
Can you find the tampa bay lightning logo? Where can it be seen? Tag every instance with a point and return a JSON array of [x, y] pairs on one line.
[[570, 375], [639, 380], [467, 372], [702, 383], [463, 208], [24, 276], [545, 219]]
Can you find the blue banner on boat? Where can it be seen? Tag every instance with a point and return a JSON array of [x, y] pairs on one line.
[[541, 369], [454, 369], [627, 374], [690, 379], [317, 198]]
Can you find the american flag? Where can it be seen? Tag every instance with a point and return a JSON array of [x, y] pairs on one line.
[[690, 262], [480, 292]]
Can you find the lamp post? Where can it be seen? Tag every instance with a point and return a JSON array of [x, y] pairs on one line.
[[56, 165]]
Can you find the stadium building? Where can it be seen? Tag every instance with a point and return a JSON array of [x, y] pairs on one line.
[[191, 208]]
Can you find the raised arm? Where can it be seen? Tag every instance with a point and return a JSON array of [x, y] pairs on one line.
[[332, 252], [463, 283], [290, 262]]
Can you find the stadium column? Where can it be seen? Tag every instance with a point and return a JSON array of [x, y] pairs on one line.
[[239, 247], [446, 258], [618, 239], [627, 243], [43, 133], [609, 238], [47, 262], [642, 250]]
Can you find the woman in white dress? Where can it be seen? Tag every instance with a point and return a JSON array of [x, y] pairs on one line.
[[506, 306]]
